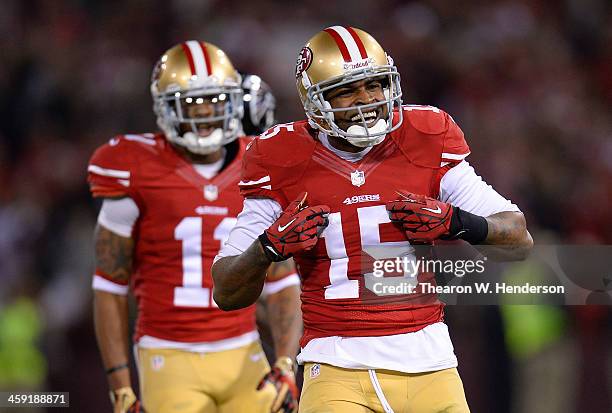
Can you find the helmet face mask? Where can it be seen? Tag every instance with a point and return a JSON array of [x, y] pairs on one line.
[[321, 111], [225, 112], [196, 93], [323, 66]]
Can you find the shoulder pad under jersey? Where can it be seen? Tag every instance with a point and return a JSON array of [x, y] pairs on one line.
[[273, 160], [431, 138], [112, 166]]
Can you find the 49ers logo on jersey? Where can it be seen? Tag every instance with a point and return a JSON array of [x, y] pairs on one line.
[[303, 61]]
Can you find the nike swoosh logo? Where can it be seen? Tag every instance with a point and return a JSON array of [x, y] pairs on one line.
[[281, 228], [273, 251], [435, 211]]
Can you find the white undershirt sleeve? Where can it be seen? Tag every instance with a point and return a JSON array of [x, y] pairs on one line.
[[257, 215], [100, 283], [273, 287], [119, 215], [463, 188]]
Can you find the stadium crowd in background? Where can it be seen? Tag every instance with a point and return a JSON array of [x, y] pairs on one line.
[[529, 82]]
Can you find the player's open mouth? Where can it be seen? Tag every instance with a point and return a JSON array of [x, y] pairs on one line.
[[370, 117], [205, 131]]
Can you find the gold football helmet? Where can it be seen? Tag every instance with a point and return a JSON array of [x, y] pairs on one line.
[[337, 56], [197, 73]]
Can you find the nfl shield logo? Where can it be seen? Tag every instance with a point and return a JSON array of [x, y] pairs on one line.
[[211, 192], [357, 178], [157, 362]]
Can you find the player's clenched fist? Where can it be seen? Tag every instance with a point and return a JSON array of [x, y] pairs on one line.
[[297, 229], [282, 377], [423, 219], [124, 401]]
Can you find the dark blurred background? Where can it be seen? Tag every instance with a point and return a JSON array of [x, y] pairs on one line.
[[529, 82]]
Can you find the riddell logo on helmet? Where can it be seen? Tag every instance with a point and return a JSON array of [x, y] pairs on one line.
[[303, 61], [358, 64]]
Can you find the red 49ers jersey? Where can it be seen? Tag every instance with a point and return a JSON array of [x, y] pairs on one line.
[[288, 159], [183, 220]]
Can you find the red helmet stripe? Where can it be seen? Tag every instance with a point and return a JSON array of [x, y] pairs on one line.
[[206, 57], [360, 46], [340, 43], [187, 52]]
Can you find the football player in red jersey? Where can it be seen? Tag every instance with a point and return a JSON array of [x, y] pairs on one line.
[[170, 200], [362, 173]]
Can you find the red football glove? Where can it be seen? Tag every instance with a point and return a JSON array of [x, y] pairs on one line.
[[423, 219], [297, 229], [124, 401], [283, 379]]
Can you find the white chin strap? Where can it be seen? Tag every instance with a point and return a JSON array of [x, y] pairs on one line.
[[202, 145], [366, 141]]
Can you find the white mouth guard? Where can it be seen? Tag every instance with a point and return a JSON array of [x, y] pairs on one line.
[[378, 127], [203, 145]]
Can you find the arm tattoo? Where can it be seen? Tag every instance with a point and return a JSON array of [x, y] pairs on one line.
[[283, 311], [285, 319], [113, 254], [509, 236], [506, 228]]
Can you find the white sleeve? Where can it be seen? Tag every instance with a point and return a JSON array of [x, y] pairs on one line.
[[272, 287], [100, 283], [257, 215], [463, 188], [119, 215]]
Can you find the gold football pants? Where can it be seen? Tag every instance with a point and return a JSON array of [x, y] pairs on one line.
[[173, 381], [329, 389]]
